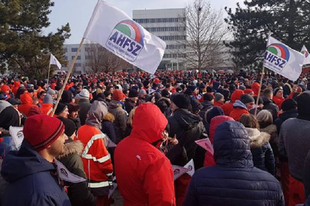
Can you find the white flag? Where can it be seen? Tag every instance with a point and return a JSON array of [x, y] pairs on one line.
[[206, 144], [191, 167], [54, 61], [117, 32], [283, 60], [178, 171], [305, 52], [65, 175]]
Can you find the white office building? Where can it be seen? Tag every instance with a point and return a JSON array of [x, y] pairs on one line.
[[169, 25], [70, 51]]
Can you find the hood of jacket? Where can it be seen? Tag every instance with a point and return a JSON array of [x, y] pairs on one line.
[[269, 129], [148, 123], [232, 146], [26, 161], [72, 147], [114, 104], [26, 98], [216, 121], [236, 95], [238, 103], [257, 138], [186, 119], [96, 113]]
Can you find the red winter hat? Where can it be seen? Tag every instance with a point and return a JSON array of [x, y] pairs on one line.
[[42, 130], [118, 95]]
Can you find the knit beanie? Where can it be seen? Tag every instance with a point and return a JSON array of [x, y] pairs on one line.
[[48, 99], [34, 110], [245, 98], [288, 104], [181, 101], [165, 93], [133, 93], [69, 126], [248, 91], [117, 95], [207, 97], [218, 97], [84, 94], [42, 130], [303, 102], [51, 91], [60, 108], [275, 91]]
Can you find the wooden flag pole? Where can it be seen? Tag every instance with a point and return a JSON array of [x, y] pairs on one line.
[[67, 77], [260, 86], [48, 74]]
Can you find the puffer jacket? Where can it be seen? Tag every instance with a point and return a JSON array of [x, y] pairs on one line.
[[262, 153], [144, 175], [233, 180], [188, 128], [271, 107], [239, 110], [120, 119], [26, 103]]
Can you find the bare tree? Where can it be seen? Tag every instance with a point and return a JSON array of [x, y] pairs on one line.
[[205, 35], [99, 59]]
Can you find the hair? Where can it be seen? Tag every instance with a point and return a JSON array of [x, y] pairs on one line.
[[249, 120], [264, 118], [131, 115], [109, 117], [267, 92]]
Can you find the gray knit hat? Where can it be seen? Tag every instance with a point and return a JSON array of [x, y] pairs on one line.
[[218, 96]]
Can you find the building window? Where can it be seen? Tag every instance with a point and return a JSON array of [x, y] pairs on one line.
[[65, 50], [78, 58], [74, 49], [66, 58]]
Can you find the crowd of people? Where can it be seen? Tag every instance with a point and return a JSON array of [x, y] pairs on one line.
[[130, 128]]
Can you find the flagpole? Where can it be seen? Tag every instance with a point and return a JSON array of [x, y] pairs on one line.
[[48, 74], [67, 77], [260, 86]]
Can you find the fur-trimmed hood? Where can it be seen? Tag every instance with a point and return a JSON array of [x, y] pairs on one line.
[[72, 147], [269, 129], [257, 138]]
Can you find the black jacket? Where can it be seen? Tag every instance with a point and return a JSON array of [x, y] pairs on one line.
[[233, 180], [271, 106], [188, 128]]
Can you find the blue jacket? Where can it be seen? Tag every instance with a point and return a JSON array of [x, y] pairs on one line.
[[233, 180], [31, 180]]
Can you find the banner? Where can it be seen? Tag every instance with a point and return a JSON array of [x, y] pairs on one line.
[[206, 144], [54, 61], [305, 52], [283, 60], [118, 33], [191, 167], [178, 171]]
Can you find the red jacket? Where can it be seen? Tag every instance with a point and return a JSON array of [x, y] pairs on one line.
[[144, 174], [278, 101], [26, 103], [239, 110], [96, 158]]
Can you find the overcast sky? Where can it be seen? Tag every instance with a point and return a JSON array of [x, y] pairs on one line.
[[78, 12]]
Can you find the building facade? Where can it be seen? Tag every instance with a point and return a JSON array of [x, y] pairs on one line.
[[169, 25]]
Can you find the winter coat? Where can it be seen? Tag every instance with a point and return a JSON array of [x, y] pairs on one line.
[[206, 106], [306, 179], [239, 110], [95, 156], [84, 108], [120, 119], [188, 128], [262, 153], [271, 107], [144, 175], [284, 116], [233, 180], [10, 117], [32, 180], [129, 105], [47, 108], [294, 143], [228, 108], [278, 101], [78, 193], [274, 138]]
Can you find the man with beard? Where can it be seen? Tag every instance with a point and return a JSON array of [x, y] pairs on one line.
[[31, 171]]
